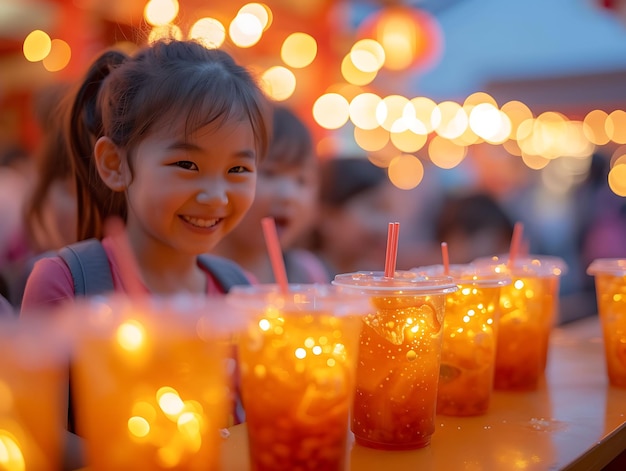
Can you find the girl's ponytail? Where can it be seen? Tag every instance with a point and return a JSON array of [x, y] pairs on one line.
[[84, 127]]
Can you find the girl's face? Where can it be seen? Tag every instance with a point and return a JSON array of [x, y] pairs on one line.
[[187, 193], [286, 193]]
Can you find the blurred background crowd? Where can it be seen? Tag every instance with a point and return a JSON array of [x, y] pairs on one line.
[[456, 118]]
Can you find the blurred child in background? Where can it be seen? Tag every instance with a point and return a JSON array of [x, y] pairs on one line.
[[287, 190], [473, 225], [357, 201], [49, 213]]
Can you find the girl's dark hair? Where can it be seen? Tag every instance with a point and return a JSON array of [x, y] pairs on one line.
[[291, 142], [125, 98]]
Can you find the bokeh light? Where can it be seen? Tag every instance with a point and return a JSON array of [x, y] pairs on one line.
[[331, 110], [407, 140], [595, 127], [517, 112], [615, 126], [209, 31], [423, 108], [37, 46], [160, 12], [411, 38], [617, 179], [261, 11], [245, 30], [371, 140], [449, 119], [59, 56], [390, 109], [352, 75], [367, 55], [363, 110], [278, 83], [618, 156], [534, 162], [445, 153], [405, 171], [298, 50]]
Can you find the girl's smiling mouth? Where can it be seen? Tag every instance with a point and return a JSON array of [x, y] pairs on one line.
[[202, 223]]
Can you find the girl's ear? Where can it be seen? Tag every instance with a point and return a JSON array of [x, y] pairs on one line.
[[111, 164]]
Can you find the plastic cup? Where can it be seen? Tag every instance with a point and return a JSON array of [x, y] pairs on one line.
[[399, 357], [610, 281], [297, 362], [528, 310], [33, 393], [151, 390], [469, 338]]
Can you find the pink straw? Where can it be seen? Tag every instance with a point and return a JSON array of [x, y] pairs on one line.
[[446, 258], [392, 249], [516, 240], [275, 253], [125, 258]]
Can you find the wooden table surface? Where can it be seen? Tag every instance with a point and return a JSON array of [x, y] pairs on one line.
[[575, 421]]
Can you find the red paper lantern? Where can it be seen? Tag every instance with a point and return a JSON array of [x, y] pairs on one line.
[[412, 38]]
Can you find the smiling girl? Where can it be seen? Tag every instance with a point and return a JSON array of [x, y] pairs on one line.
[[167, 140]]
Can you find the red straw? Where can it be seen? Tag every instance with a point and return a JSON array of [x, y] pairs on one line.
[[275, 253], [125, 258], [392, 249], [446, 258], [516, 241]]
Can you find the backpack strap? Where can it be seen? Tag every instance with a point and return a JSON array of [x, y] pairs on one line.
[[226, 272], [89, 265]]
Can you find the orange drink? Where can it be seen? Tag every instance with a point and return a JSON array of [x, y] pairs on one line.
[[33, 394], [610, 280], [151, 389], [399, 357], [297, 361], [469, 339], [528, 310]]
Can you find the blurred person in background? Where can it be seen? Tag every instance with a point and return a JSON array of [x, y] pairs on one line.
[[6, 309], [287, 190], [51, 208], [600, 233], [16, 174], [48, 213], [603, 216], [357, 202], [473, 225]]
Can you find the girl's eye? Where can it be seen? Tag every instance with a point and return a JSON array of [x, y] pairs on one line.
[[238, 169], [186, 164]]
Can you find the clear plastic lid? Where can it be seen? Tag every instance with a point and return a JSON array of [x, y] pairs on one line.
[[478, 275], [306, 298], [607, 266], [528, 265], [403, 282]]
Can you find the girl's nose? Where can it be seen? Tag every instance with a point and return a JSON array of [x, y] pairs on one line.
[[212, 194]]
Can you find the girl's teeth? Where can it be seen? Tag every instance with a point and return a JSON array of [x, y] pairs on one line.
[[200, 222]]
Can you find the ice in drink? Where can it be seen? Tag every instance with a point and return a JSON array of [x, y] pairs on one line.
[[34, 364], [610, 281], [151, 390], [529, 309], [399, 358], [469, 339], [297, 361]]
